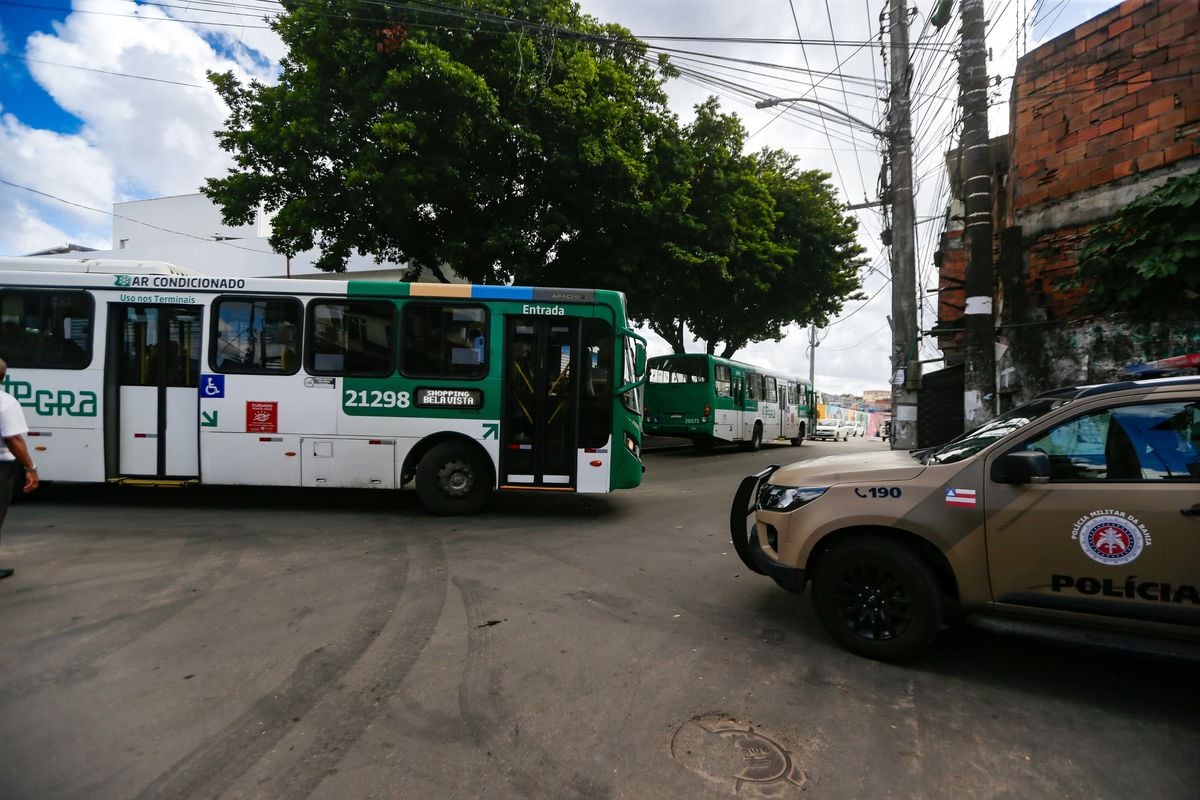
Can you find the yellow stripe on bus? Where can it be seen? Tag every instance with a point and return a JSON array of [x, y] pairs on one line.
[[439, 290]]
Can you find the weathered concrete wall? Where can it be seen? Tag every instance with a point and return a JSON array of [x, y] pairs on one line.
[[1039, 357]]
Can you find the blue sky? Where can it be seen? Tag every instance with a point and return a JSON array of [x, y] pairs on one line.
[[92, 139]]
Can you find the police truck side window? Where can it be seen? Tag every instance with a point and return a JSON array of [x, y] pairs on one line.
[[1150, 441]]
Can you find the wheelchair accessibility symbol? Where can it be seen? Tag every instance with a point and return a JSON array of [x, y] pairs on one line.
[[212, 385]]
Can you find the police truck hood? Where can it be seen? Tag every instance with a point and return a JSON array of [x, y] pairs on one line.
[[888, 465]]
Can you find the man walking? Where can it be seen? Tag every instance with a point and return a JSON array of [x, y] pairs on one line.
[[14, 454]]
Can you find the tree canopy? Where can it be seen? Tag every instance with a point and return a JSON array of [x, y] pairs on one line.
[[524, 141]]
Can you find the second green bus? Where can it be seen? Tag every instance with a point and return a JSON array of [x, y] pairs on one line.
[[714, 400]]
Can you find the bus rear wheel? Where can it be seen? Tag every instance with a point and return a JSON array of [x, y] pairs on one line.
[[454, 478], [755, 443]]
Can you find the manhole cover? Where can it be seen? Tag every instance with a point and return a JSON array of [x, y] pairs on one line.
[[736, 756]]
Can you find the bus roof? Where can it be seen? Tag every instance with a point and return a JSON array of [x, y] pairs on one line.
[[353, 285], [101, 266], [776, 373]]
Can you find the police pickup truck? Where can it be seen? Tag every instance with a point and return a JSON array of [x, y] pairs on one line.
[[1076, 515]]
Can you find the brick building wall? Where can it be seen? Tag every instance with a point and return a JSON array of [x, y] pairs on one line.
[[1100, 115]]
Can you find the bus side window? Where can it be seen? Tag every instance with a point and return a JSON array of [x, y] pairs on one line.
[[46, 329], [723, 380], [771, 391], [350, 337], [444, 341], [256, 335]]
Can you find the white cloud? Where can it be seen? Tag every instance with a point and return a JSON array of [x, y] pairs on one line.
[[157, 136]]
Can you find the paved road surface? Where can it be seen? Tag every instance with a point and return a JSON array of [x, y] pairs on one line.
[[245, 644]]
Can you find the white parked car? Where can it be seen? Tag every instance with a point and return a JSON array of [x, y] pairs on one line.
[[835, 429]]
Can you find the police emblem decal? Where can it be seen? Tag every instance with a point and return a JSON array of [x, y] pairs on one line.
[[1111, 537]]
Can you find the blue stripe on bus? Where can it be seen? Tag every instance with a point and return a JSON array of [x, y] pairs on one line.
[[501, 293]]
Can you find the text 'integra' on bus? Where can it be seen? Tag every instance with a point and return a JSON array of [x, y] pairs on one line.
[[710, 400], [143, 372]]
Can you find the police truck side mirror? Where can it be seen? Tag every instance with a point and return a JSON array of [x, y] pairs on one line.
[[1021, 467]]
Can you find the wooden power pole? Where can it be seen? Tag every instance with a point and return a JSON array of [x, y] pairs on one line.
[[979, 380], [905, 363]]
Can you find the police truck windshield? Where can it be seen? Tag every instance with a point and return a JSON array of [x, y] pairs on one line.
[[991, 431]]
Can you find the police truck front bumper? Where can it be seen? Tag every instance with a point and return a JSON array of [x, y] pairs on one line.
[[746, 541]]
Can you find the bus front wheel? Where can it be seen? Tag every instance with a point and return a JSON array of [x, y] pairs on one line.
[[454, 478]]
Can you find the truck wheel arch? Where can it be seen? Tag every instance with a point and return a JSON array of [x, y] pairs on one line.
[[919, 545]]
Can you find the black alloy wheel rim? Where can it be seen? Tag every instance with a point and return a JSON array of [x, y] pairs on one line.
[[871, 601]]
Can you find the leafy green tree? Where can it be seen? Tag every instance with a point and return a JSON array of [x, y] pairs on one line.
[[445, 136], [523, 141], [1147, 258], [757, 245]]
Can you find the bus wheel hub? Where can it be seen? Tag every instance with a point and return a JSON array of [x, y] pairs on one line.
[[455, 478]]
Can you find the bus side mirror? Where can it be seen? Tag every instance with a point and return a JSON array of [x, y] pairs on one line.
[[1021, 467], [639, 358]]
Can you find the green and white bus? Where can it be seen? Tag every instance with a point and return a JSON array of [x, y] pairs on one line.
[[147, 373], [711, 400]]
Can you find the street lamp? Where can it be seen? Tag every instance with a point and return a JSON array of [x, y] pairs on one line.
[[774, 101]]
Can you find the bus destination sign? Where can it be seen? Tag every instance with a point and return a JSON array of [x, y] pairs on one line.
[[449, 398]]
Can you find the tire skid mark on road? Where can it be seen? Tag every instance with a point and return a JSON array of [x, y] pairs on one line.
[[161, 598], [214, 767], [348, 712], [528, 768]]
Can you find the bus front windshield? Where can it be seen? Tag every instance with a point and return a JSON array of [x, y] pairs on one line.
[[991, 431], [679, 370]]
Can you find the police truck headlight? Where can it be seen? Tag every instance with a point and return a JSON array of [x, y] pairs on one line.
[[787, 498]]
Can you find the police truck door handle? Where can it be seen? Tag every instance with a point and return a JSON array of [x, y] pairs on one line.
[[1193, 511]]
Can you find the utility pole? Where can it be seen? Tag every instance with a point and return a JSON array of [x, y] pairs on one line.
[[905, 364], [979, 380], [812, 354]]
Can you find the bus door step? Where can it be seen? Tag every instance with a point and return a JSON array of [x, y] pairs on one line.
[[156, 483]]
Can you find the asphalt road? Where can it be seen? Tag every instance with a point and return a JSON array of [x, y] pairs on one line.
[[247, 644]]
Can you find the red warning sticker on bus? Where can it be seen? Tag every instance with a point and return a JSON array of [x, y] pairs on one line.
[[262, 417]]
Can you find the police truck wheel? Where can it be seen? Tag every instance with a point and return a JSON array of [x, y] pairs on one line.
[[755, 442], [877, 599], [453, 479]]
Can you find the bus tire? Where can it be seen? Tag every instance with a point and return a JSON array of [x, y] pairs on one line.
[[799, 440], [755, 443], [454, 478]]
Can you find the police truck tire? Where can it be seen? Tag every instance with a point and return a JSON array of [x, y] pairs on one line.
[[454, 478], [877, 598]]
